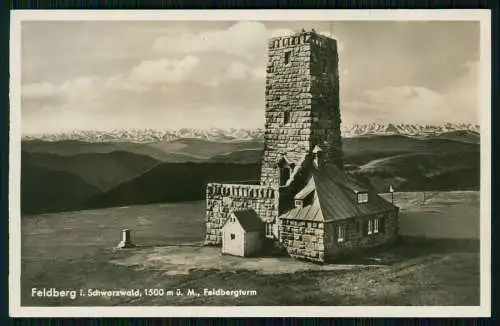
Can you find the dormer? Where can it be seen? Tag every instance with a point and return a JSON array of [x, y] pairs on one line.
[[306, 195], [362, 197]]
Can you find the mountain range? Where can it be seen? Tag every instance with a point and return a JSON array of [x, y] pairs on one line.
[[71, 174], [233, 134]]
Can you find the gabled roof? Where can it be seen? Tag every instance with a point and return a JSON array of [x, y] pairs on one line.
[[335, 193], [249, 220], [335, 197]]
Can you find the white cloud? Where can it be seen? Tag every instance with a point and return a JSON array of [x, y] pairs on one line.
[[411, 104], [83, 87], [123, 83], [258, 73], [240, 39], [165, 71], [140, 79], [398, 104], [74, 88], [247, 39], [238, 70], [210, 82], [39, 90], [463, 93]]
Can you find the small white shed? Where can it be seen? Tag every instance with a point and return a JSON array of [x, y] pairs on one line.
[[242, 234]]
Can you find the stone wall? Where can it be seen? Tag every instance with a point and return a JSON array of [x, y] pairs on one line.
[[222, 199], [287, 93], [302, 101], [355, 239], [303, 239], [325, 103]]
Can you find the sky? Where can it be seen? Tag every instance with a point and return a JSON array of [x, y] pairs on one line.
[[98, 75]]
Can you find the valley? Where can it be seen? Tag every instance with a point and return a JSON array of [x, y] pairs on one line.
[[66, 175]]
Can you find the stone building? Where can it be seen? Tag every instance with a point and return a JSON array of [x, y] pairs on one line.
[[306, 201]]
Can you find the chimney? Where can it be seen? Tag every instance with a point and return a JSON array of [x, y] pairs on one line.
[[318, 157]]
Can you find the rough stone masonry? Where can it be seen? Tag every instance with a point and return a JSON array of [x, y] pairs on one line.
[[302, 101], [302, 110]]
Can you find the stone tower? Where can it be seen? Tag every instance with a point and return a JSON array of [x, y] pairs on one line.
[[302, 104]]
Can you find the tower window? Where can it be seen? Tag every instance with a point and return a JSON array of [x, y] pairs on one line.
[[286, 117], [287, 57]]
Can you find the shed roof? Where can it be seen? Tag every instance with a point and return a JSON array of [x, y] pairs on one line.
[[249, 220], [335, 198]]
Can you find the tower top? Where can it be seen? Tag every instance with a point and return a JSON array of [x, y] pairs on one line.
[[302, 37]]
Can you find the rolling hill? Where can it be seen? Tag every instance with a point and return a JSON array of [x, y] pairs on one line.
[[103, 170], [466, 136], [239, 156], [204, 149], [402, 144], [75, 147], [170, 182], [45, 190], [423, 171], [361, 150], [124, 173]]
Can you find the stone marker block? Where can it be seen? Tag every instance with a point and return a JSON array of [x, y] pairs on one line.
[[126, 240]]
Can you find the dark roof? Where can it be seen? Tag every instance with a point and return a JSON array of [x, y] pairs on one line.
[[335, 198], [310, 212], [309, 187], [249, 220]]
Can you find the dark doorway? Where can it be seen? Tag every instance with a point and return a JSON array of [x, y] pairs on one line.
[[284, 175]]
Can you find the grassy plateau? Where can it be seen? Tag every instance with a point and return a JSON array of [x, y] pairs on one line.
[[435, 263]]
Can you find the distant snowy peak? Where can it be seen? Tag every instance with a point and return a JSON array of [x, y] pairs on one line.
[[414, 130], [233, 134], [150, 135]]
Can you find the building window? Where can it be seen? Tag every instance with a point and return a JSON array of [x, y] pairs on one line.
[[340, 233], [269, 229], [370, 226], [286, 117], [376, 225], [298, 203], [233, 236], [362, 197], [288, 54]]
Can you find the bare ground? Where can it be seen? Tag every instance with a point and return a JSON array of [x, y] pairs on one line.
[[75, 251]]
